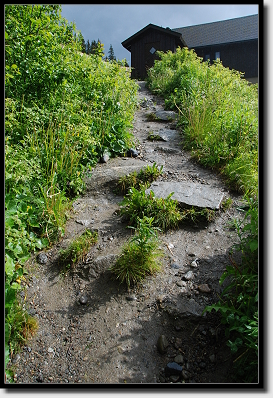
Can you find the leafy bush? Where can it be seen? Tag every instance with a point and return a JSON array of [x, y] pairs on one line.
[[140, 255]]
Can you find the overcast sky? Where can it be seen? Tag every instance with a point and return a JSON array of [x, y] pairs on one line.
[[112, 23]]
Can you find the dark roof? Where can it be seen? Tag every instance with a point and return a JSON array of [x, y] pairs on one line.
[[127, 43], [230, 30]]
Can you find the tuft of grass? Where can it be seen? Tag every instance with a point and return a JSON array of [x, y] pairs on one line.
[[140, 255], [146, 176], [154, 137], [165, 212], [78, 249], [226, 204], [151, 117], [195, 214]]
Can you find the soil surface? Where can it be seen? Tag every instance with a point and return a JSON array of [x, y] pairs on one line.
[[93, 330]]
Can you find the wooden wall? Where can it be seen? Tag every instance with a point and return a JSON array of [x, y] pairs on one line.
[[141, 58], [241, 56]]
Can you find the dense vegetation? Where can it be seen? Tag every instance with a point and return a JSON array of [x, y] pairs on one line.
[[218, 115], [63, 110]]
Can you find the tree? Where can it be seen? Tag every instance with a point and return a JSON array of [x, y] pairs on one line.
[[111, 55], [93, 47], [82, 42], [97, 48], [89, 47]]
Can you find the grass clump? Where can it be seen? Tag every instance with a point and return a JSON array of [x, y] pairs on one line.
[[151, 117], [195, 214], [154, 137], [164, 212], [78, 249], [135, 180], [140, 255]]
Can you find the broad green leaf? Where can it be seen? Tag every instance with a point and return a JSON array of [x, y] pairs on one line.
[[9, 266]]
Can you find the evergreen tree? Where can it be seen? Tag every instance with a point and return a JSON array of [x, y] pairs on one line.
[[97, 48], [93, 47], [111, 55], [88, 47], [82, 42]]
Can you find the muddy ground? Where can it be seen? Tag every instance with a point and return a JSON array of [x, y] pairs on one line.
[[91, 329]]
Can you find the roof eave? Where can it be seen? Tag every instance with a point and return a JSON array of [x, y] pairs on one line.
[[127, 43]]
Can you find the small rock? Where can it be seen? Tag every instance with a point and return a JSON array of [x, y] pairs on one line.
[[83, 222], [179, 358], [120, 349], [212, 358], [162, 344], [204, 288], [202, 365], [173, 368], [174, 379], [105, 157], [131, 298], [40, 378], [162, 379], [185, 375], [42, 258], [188, 276], [175, 266], [83, 299], [194, 264], [132, 153], [181, 283], [50, 349]]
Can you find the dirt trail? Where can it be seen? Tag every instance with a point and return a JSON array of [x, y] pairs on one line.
[[112, 338]]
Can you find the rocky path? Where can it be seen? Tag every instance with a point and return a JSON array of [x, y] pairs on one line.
[[91, 330]]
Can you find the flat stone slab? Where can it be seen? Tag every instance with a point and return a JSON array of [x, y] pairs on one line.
[[188, 193], [166, 115], [166, 135], [112, 171]]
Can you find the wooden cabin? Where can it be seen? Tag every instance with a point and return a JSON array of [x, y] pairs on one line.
[[233, 41], [144, 44]]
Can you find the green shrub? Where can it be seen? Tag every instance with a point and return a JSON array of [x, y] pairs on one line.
[[140, 255]]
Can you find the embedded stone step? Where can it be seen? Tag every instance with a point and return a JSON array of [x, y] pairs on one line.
[[166, 116], [188, 193]]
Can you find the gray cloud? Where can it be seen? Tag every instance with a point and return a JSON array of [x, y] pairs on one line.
[[114, 23]]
